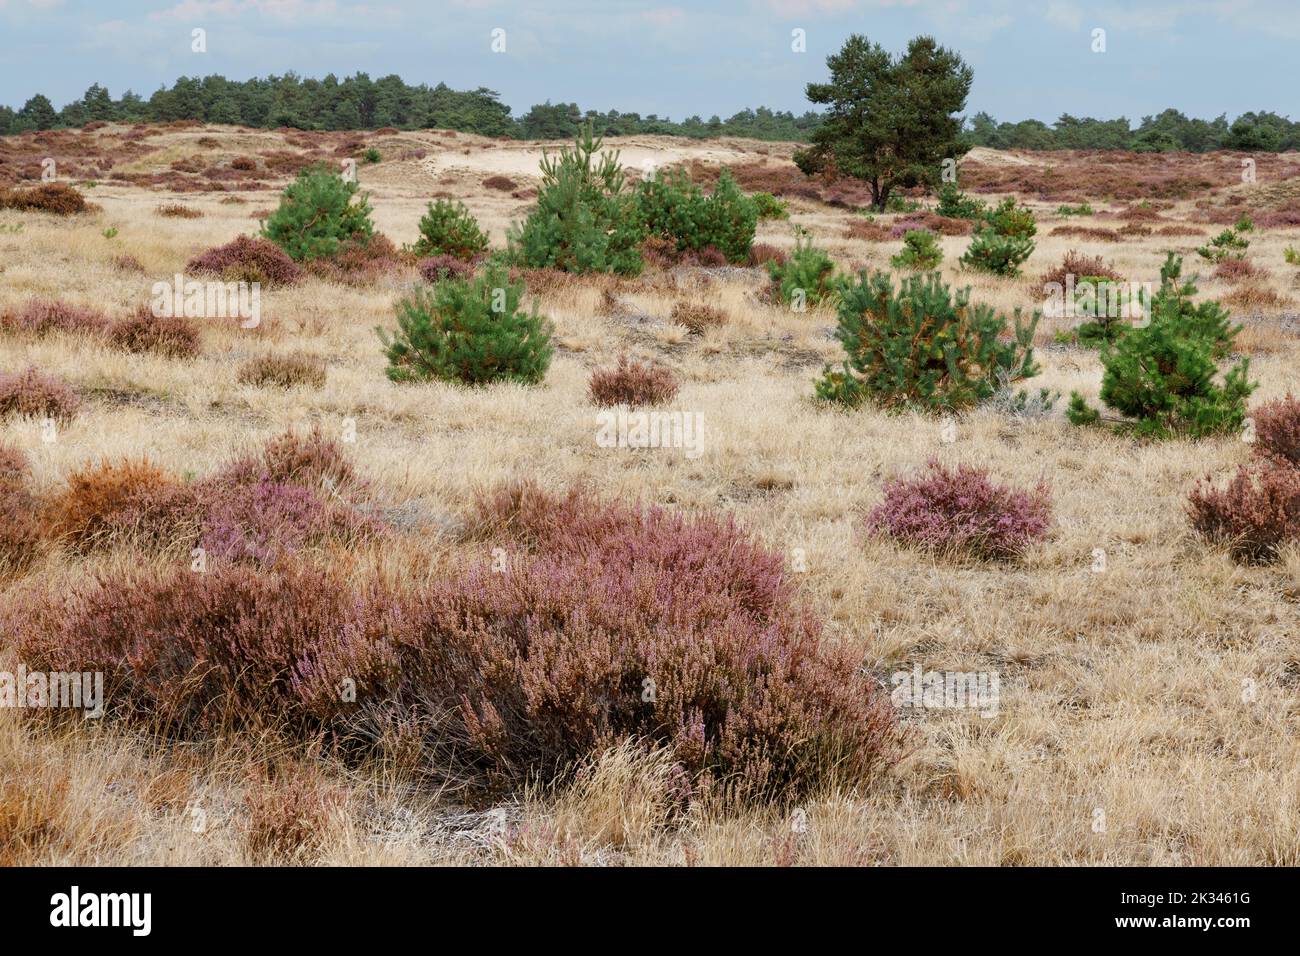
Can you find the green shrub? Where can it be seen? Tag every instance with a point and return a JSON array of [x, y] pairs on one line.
[[448, 229], [1012, 220], [673, 207], [998, 254], [922, 346], [1161, 376], [371, 155], [769, 206], [468, 330], [317, 214], [897, 203], [1291, 255], [805, 278], [583, 220], [955, 204], [1083, 209], [920, 253], [1229, 244]]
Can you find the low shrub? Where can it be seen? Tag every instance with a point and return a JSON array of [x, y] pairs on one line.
[[955, 204], [962, 512], [674, 207], [173, 336], [769, 206], [760, 254], [316, 214], [358, 262], [1078, 265], [32, 394], [806, 278], [1009, 219], [632, 383], [41, 317], [131, 500], [20, 530], [1277, 429], [697, 318], [248, 259], [922, 346], [284, 371], [438, 268], [502, 183], [1255, 514], [1162, 376], [177, 211], [1082, 209], [1229, 244], [468, 330], [448, 229], [57, 198], [997, 254], [1238, 270], [920, 252]]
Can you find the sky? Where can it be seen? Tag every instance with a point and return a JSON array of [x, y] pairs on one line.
[[675, 58]]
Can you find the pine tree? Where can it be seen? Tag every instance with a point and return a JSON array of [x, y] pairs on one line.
[[468, 330], [317, 214], [1161, 376]]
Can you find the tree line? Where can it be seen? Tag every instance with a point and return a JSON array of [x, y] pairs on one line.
[[358, 102]]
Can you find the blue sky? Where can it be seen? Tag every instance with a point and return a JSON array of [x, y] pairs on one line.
[[675, 57]]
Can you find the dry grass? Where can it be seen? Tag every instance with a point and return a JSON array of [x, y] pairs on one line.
[[1121, 691]]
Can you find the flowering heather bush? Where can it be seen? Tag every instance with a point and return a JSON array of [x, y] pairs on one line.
[[58, 198], [438, 268], [248, 259], [619, 623], [172, 336], [697, 318], [311, 460], [284, 371], [267, 520], [632, 383], [358, 262], [612, 624], [31, 394], [20, 532], [1277, 429], [46, 316], [962, 511], [1255, 514]]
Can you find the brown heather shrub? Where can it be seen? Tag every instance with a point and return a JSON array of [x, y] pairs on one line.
[[1238, 270], [177, 211], [1180, 231], [248, 259], [632, 383], [1079, 265], [761, 253], [1251, 297], [1255, 514], [243, 163], [868, 231], [438, 268], [1135, 230], [130, 500], [931, 221], [284, 371], [143, 332], [310, 460], [697, 317], [1139, 214], [503, 183], [58, 198], [32, 394], [20, 532], [128, 263], [1277, 429], [1087, 232], [46, 316]]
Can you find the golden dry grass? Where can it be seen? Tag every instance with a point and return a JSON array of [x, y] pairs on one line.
[[1122, 691]]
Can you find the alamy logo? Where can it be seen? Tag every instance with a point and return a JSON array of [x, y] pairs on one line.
[[72, 909], [208, 300], [961, 690], [38, 690], [621, 428]]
